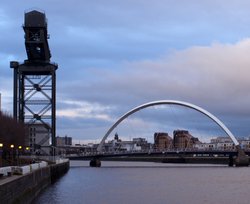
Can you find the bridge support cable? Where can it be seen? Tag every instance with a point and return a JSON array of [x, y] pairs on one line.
[[167, 102]]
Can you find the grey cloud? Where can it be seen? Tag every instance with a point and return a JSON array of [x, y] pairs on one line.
[[215, 78], [80, 128], [120, 54]]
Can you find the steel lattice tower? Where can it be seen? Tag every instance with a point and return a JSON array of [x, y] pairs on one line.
[[35, 80]]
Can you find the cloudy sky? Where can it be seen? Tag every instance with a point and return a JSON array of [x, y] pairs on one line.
[[115, 55]]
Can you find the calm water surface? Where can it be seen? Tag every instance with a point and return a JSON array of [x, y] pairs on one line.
[[149, 183]]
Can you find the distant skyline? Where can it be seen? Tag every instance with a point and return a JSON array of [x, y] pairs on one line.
[[116, 55]]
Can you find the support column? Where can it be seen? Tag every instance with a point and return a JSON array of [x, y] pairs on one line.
[[53, 110], [242, 159], [231, 160], [95, 162]]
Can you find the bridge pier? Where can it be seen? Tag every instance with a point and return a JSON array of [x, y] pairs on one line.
[[231, 160], [95, 162], [242, 159]]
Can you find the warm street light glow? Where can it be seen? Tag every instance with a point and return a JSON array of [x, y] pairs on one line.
[[12, 146], [1, 144], [20, 147], [27, 148]]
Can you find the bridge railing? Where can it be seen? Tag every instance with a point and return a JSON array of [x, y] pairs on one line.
[[52, 159], [154, 151]]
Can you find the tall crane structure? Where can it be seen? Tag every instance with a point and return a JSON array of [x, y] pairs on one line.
[[34, 101]]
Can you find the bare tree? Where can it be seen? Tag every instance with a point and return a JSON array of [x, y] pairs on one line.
[[11, 131]]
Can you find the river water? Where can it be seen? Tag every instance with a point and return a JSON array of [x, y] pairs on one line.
[[149, 183]]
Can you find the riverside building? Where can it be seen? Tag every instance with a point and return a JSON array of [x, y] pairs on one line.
[[162, 141], [39, 138], [184, 140]]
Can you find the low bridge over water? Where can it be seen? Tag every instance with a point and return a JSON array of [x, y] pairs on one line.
[[237, 157], [229, 157]]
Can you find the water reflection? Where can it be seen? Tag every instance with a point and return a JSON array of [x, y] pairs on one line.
[[149, 183]]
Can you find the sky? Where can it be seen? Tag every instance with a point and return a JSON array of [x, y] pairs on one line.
[[116, 55]]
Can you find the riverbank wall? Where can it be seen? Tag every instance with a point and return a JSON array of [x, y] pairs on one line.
[[25, 188]]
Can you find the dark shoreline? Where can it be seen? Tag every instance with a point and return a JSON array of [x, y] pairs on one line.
[[188, 160]]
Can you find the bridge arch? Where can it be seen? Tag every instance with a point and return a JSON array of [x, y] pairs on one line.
[[171, 102]]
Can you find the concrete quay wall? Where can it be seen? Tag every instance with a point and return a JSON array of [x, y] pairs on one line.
[[25, 188], [57, 170]]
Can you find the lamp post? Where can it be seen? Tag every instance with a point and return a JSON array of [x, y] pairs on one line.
[[12, 157], [1, 154], [27, 150], [19, 150]]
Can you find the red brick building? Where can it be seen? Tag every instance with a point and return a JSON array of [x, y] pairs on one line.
[[162, 141], [182, 139]]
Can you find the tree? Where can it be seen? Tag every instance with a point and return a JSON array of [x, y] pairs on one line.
[[11, 131]]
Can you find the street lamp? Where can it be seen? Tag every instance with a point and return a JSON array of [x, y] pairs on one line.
[[1, 151], [12, 152], [19, 150]]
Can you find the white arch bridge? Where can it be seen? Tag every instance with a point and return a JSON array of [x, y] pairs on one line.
[[168, 102], [239, 158]]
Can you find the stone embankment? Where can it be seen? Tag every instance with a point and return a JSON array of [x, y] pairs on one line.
[[23, 184]]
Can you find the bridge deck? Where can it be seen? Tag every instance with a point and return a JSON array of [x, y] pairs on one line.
[[155, 154]]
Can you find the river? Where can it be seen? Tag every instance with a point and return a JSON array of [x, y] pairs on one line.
[[149, 183]]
